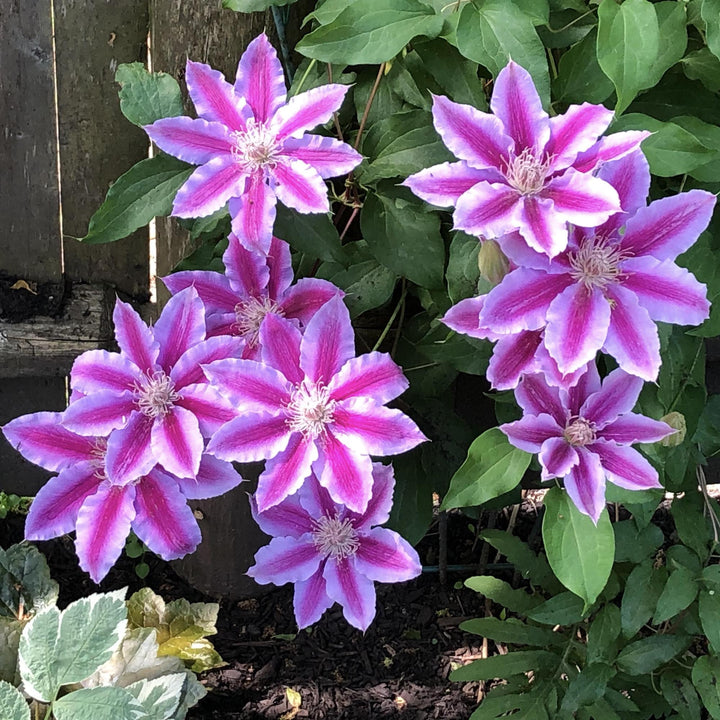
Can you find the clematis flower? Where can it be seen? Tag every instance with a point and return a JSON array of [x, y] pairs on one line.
[[153, 393], [81, 497], [252, 145], [253, 286], [520, 170], [582, 434], [312, 405], [613, 281], [332, 554]]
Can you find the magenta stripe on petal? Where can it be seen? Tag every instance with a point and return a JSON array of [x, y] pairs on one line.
[[279, 262], [557, 458], [464, 317], [280, 343], [286, 519], [531, 431], [285, 473], [102, 370], [298, 186], [488, 210], [585, 484], [210, 407], [632, 428], [285, 559], [253, 214], [471, 135], [209, 188], [327, 156], [246, 270], [303, 299], [535, 397], [352, 590], [260, 79], [307, 110], [188, 370], [346, 475], [129, 453], [214, 97], [443, 184], [513, 356], [54, 510], [618, 395], [250, 438], [384, 556], [374, 375], [215, 477], [103, 524], [249, 385], [193, 140], [630, 176], [212, 287], [542, 225], [380, 504], [163, 520], [181, 325], [625, 467], [99, 413], [577, 325], [587, 383], [582, 199], [576, 131], [311, 600], [177, 443], [134, 337], [611, 147], [41, 439], [315, 499], [328, 342]]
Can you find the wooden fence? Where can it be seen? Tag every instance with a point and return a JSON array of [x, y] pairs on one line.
[[63, 141]]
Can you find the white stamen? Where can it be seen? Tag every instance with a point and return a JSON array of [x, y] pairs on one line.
[[527, 173], [97, 457], [156, 394], [580, 431], [249, 315], [256, 147], [310, 409], [597, 262], [335, 537]]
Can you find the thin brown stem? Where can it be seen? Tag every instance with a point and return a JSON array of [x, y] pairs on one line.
[[368, 105], [336, 122], [353, 215]]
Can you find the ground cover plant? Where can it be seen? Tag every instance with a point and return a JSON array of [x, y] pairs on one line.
[[520, 192]]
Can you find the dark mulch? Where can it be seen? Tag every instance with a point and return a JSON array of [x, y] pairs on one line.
[[398, 669]]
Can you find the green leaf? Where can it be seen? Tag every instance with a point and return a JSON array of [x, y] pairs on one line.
[[462, 274], [493, 467], [647, 655], [679, 692], [401, 145], [708, 431], [627, 46], [633, 545], [710, 12], [159, 696], [671, 149], [503, 666], [580, 78], [12, 704], [25, 582], [311, 233], [680, 590], [498, 30], [248, 6], [10, 631], [511, 631], [181, 627], [412, 510], [145, 191], [695, 260], [58, 649], [502, 593], [146, 97], [642, 591], [531, 566], [691, 524], [672, 27], [369, 32], [603, 634], [99, 703], [709, 609], [702, 65], [566, 608], [706, 679], [579, 551], [403, 237], [587, 687]]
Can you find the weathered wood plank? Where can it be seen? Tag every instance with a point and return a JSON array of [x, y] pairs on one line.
[[97, 144], [47, 346], [30, 243], [19, 396]]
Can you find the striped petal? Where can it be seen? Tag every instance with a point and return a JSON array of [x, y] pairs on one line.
[[214, 97], [311, 600], [298, 186], [585, 484], [253, 214], [181, 325], [260, 79], [443, 184], [209, 188], [129, 453], [177, 443], [285, 559], [307, 110], [191, 139], [327, 156], [375, 375], [250, 438], [352, 590], [625, 467], [134, 337]]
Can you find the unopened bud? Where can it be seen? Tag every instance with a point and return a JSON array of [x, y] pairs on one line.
[[493, 263], [674, 420]]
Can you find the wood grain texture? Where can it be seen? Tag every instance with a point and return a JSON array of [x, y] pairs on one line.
[[30, 243], [97, 144], [46, 346]]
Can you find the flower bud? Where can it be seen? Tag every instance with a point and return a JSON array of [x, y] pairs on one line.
[[674, 420], [493, 263]]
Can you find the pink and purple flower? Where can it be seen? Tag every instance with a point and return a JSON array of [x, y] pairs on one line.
[[520, 170], [582, 434], [81, 497], [312, 405], [331, 554], [254, 286], [252, 145], [152, 398]]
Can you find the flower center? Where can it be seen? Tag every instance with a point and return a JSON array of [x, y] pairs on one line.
[[310, 409], [155, 394], [527, 173], [256, 147], [335, 537], [249, 315], [580, 431], [597, 262]]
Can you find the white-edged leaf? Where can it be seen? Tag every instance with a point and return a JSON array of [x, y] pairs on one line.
[[12, 704], [159, 697], [100, 703]]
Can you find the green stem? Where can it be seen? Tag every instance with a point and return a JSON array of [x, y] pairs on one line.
[[389, 323], [312, 64], [686, 379]]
